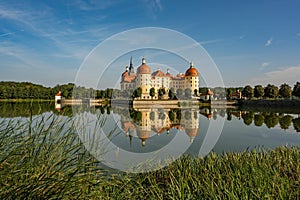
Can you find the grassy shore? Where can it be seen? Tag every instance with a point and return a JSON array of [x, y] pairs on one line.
[[26, 100], [44, 159]]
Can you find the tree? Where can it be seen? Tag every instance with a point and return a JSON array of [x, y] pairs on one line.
[[171, 116], [196, 92], [271, 120], [296, 123], [137, 93], [179, 93], [187, 93], [271, 91], [296, 90], [247, 118], [229, 92], [259, 119], [161, 92], [285, 121], [109, 93], [152, 115], [171, 94], [285, 91], [152, 92], [259, 91], [248, 91]]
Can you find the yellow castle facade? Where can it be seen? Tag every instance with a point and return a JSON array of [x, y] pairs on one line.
[[146, 80]]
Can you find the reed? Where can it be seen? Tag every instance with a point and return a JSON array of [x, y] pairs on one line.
[[43, 158]]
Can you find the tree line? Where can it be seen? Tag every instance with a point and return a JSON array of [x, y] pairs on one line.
[[269, 91], [27, 90]]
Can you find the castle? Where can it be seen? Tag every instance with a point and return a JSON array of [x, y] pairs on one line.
[[146, 80]]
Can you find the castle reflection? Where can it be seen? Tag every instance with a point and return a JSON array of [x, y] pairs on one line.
[[146, 122]]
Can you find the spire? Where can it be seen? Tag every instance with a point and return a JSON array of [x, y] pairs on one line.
[[191, 64], [126, 68], [143, 60], [131, 69]]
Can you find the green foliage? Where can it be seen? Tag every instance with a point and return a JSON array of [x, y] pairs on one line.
[[259, 119], [137, 93], [179, 93], [50, 162], [285, 91], [161, 92], [152, 115], [259, 91], [152, 92], [135, 115], [248, 118], [296, 90], [271, 120], [247, 91], [285, 121], [171, 116], [24, 109], [271, 91], [25, 90], [229, 92], [196, 92], [171, 94], [187, 93], [296, 123]]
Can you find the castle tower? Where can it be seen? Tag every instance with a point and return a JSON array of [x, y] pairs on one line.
[[191, 78], [143, 79]]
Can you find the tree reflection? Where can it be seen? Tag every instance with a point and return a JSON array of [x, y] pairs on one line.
[[271, 120], [229, 115], [296, 123], [259, 119], [248, 118], [285, 121]]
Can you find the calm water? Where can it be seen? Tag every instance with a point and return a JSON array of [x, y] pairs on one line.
[[191, 131]]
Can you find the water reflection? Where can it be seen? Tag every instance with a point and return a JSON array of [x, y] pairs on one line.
[[159, 120], [140, 122]]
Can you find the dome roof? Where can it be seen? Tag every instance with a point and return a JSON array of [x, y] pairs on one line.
[[191, 71], [143, 69], [192, 132]]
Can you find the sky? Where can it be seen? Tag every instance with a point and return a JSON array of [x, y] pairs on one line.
[[251, 42]]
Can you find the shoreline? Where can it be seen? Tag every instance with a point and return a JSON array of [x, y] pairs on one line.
[[26, 100]]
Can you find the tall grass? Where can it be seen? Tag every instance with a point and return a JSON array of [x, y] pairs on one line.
[[44, 159]]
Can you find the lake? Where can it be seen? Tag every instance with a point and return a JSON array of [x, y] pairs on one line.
[[122, 136]]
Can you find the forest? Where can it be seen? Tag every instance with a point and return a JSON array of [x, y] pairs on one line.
[[27, 90]]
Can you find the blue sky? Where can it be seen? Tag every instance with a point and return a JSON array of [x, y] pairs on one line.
[[251, 42]]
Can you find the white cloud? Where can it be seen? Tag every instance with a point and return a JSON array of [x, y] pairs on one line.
[[7, 34], [210, 41], [264, 65], [289, 75], [269, 42]]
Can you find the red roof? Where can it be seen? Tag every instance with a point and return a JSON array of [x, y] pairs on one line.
[[143, 69], [158, 73], [191, 72]]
